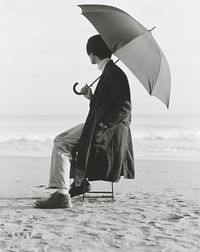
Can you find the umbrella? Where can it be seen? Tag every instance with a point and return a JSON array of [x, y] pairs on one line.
[[134, 45]]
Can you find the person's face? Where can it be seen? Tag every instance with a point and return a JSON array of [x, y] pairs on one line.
[[92, 58]]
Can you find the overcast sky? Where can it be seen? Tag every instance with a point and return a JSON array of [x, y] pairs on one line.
[[42, 54]]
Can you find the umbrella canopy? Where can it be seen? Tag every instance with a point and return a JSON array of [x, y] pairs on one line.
[[134, 45]]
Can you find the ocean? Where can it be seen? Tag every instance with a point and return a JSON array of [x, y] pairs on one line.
[[155, 137]]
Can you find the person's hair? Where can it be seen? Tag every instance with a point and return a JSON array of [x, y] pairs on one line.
[[98, 47]]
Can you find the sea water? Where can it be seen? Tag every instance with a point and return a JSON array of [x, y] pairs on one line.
[[155, 137]]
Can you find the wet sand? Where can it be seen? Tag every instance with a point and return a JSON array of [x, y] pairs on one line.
[[158, 211]]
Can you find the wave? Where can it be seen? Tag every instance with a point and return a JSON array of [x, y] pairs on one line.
[[147, 144], [29, 144], [168, 135], [140, 135], [26, 137]]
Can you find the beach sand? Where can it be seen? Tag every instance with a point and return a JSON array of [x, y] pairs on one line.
[[158, 211]]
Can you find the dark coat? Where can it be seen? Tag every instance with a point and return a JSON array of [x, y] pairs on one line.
[[105, 148]]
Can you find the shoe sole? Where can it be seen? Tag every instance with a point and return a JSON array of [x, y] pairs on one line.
[[52, 207]]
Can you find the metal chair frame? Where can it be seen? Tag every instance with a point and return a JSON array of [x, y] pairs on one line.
[[104, 194]]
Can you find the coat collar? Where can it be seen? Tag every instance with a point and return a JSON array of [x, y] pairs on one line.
[[103, 64], [108, 65]]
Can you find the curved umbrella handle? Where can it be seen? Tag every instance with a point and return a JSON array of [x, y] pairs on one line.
[[74, 89]]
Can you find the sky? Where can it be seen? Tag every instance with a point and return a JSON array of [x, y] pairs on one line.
[[42, 54]]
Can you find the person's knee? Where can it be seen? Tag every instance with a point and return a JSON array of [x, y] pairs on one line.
[[56, 139], [57, 144], [59, 137], [60, 146]]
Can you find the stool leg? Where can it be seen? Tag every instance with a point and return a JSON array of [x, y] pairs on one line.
[[84, 184], [112, 192]]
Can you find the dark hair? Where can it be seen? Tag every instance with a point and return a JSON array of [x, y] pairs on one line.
[[98, 47]]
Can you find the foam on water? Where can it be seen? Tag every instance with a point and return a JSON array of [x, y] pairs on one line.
[[153, 137]]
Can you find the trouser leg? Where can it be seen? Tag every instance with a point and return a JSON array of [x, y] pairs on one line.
[[60, 169], [64, 145]]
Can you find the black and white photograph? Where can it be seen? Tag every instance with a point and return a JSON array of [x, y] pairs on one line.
[[99, 126]]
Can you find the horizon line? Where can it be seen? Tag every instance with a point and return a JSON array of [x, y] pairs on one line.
[[76, 114]]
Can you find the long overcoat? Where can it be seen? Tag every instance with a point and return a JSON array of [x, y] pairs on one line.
[[105, 149]]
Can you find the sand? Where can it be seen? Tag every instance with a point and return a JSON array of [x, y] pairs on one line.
[[158, 211]]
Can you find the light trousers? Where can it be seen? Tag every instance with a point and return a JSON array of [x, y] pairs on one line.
[[64, 145]]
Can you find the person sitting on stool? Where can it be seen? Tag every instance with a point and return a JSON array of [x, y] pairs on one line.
[[101, 148]]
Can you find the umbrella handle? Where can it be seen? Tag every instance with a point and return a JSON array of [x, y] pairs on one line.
[[79, 93], [74, 89]]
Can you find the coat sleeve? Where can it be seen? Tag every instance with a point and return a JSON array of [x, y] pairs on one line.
[[120, 94]]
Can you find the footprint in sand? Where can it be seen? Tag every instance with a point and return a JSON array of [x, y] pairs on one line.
[[175, 217], [196, 212], [40, 186]]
